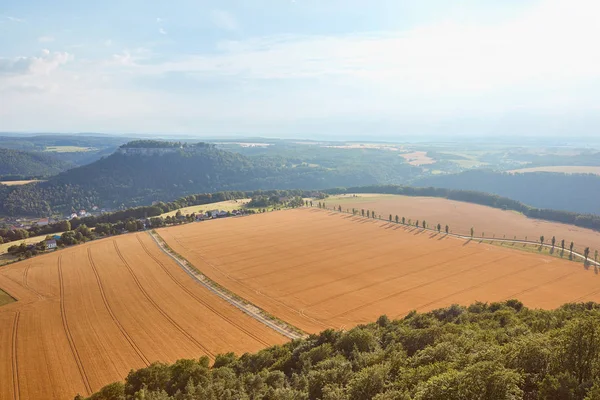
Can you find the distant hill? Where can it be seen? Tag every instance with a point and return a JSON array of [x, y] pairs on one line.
[[15, 163], [570, 192], [141, 172]]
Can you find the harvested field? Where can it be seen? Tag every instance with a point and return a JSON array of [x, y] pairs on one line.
[[317, 269], [565, 169], [87, 315], [461, 216]]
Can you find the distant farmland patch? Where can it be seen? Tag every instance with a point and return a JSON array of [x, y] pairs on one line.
[[18, 183], [418, 158], [68, 149], [566, 169], [228, 205]]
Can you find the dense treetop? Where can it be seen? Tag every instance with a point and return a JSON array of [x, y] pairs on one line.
[[498, 351]]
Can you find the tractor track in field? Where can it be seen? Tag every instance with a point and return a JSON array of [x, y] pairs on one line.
[[560, 278], [158, 308], [129, 339], [15, 359], [26, 282], [65, 323], [198, 299], [477, 286], [415, 271], [392, 295]]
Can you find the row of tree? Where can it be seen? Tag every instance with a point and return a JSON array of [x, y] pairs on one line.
[[591, 221]]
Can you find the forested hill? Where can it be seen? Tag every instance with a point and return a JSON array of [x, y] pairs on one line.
[[15, 163], [570, 192], [142, 172], [498, 351]]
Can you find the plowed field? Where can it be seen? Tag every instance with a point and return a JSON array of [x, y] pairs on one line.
[[87, 315], [318, 269]]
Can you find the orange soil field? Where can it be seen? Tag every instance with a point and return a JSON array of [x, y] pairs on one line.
[[317, 269], [461, 216], [87, 315]]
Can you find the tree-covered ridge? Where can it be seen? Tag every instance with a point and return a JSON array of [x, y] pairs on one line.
[[577, 193], [160, 144], [16, 163], [129, 180], [498, 351]]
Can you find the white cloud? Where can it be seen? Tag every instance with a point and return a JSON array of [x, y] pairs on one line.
[[15, 19], [162, 31], [46, 39], [542, 61], [43, 65], [224, 20]]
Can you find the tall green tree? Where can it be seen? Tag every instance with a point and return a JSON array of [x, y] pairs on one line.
[[439, 228], [472, 231], [447, 228], [403, 220], [571, 246], [562, 244], [397, 219], [390, 217], [586, 253], [553, 241], [542, 239]]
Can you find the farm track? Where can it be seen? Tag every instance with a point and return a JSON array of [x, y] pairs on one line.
[[210, 354], [243, 306], [128, 338], [198, 299], [65, 323], [15, 359]]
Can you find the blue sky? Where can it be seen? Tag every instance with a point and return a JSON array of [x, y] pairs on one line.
[[303, 68]]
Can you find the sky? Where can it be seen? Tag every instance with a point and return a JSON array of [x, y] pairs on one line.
[[301, 68]]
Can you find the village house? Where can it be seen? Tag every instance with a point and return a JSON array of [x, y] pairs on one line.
[[50, 244], [42, 222]]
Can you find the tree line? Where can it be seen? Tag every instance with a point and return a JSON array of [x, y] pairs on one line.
[[495, 351], [117, 219]]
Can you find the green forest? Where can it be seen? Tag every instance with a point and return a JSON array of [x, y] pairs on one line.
[[496, 351], [15, 164]]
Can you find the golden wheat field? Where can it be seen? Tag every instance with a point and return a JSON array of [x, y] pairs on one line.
[[87, 315], [318, 269]]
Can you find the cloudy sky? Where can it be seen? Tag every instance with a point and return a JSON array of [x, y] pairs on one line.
[[301, 68]]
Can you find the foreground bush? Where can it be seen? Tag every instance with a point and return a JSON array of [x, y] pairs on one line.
[[485, 351]]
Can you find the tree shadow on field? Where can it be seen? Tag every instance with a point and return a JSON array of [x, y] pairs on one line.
[[443, 236], [433, 235], [540, 248], [418, 232], [551, 250], [467, 242], [596, 269], [562, 253], [586, 265]]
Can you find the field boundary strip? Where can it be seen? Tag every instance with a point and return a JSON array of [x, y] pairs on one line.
[[158, 308], [468, 237], [199, 300], [245, 306]]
